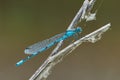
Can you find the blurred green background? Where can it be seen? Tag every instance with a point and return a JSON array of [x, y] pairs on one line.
[[24, 22]]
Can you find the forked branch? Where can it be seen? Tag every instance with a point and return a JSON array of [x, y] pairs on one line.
[[57, 55]]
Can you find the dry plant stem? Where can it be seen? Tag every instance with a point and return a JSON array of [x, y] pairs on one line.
[[43, 72], [56, 56], [83, 11], [92, 37]]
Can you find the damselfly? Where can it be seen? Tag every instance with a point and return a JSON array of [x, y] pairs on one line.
[[39, 47]]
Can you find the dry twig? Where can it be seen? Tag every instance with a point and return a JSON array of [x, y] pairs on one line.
[[57, 55]]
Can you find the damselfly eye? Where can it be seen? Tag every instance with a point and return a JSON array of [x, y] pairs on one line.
[[78, 29]]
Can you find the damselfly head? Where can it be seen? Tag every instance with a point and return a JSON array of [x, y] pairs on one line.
[[78, 29]]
